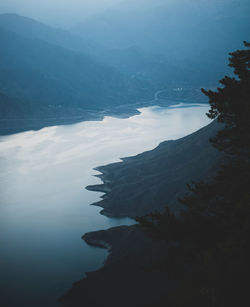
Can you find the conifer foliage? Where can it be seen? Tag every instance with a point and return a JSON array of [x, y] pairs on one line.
[[209, 260]]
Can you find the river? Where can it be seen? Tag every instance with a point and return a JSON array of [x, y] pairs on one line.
[[45, 208]]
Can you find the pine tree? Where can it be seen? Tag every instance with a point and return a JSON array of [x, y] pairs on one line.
[[231, 106], [212, 235]]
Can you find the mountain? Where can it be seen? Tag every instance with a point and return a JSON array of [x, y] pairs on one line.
[[33, 29], [50, 81], [115, 58], [194, 36], [132, 61], [44, 73], [152, 180]]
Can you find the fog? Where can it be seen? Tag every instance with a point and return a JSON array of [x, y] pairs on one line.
[[67, 13], [165, 43], [110, 58], [63, 13]]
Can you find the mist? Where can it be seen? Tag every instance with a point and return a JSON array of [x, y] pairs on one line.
[[84, 83], [63, 13]]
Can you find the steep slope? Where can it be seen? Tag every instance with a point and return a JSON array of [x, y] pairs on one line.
[[191, 35], [125, 279], [132, 61], [52, 80], [155, 179], [137, 186], [30, 28]]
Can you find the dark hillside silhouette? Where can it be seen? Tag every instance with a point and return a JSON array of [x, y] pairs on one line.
[[211, 260]]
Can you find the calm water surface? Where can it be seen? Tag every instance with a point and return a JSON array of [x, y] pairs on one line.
[[44, 208]]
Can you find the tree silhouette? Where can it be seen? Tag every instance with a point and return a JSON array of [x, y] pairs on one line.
[[211, 255]]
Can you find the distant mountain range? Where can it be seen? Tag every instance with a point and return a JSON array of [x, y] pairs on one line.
[[46, 80], [115, 58], [190, 35]]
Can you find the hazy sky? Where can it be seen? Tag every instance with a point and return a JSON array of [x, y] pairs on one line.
[[56, 12]]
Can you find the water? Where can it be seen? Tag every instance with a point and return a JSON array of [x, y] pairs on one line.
[[44, 208]]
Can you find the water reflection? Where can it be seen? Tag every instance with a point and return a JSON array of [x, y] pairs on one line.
[[44, 208]]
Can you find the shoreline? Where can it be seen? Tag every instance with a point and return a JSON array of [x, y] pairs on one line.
[[131, 252], [163, 171], [13, 125], [140, 184]]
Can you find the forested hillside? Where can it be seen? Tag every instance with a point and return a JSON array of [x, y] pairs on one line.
[[43, 80]]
